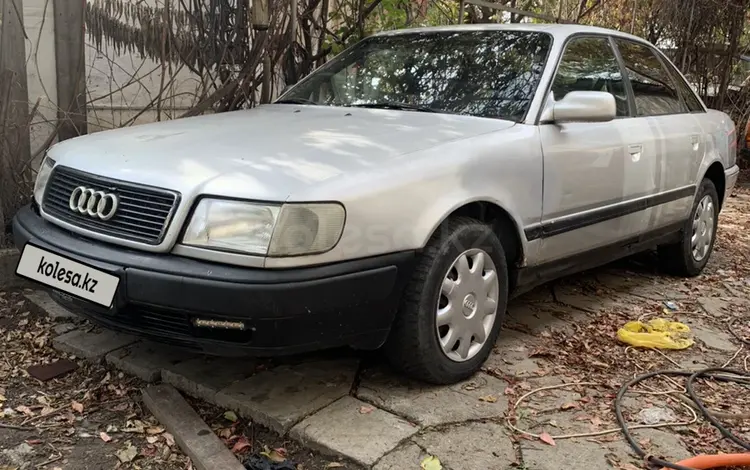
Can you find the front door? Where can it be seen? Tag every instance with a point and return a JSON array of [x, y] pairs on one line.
[[595, 174]]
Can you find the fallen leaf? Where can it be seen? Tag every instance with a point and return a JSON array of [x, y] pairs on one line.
[[33, 442], [127, 454], [509, 391], [104, 436], [230, 416], [154, 430], [547, 439], [273, 455], [365, 409], [628, 466], [596, 421], [335, 465], [135, 426], [488, 398], [169, 438], [431, 463], [152, 439], [552, 422], [77, 406], [569, 406], [241, 445], [25, 410], [225, 433]]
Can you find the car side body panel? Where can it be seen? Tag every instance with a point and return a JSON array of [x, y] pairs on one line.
[[413, 198]]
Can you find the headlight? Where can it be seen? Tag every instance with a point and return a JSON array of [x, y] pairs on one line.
[[305, 229], [45, 169], [267, 230], [232, 225]]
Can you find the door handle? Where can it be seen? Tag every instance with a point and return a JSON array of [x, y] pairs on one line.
[[696, 141], [635, 151]]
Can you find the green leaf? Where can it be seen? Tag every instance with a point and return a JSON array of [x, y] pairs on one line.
[[431, 463], [230, 416]]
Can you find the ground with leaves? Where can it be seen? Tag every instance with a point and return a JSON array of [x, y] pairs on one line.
[[93, 417]]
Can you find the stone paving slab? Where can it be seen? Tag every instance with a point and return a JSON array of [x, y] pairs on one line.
[[146, 359], [473, 446], [281, 397], [62, 328], [711, 337], [480, 397], [538, 318], [582, 453], [56, 311], [91, 345], [511, 355], [192, 434], [203, 377], [406, 456], [354, 429]]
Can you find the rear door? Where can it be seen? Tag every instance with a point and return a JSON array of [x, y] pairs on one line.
[[595, 173], [680, 142]]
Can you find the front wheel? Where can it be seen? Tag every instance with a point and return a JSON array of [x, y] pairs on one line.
[[690, 255], [454, 305]]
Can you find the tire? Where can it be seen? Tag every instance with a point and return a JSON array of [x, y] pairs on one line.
[[413, 345], [679, 258]]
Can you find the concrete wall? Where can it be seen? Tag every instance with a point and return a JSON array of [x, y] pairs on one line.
[[40, 68], [119, 85]]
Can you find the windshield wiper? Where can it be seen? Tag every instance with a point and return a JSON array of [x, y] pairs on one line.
[[295, 101], [396, 105]]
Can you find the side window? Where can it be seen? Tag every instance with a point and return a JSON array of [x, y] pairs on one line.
[[687, 93], [654, 90], [589, 64]]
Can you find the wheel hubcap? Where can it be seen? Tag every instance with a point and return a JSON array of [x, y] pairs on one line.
[[467, 305], [703, 228]]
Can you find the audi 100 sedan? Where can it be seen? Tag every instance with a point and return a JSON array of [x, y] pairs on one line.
[[396, 197]]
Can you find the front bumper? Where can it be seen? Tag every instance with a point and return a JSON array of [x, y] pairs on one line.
[[285, 311], [730, 174]]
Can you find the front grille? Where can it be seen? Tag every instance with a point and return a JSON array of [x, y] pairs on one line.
[[143, 213]]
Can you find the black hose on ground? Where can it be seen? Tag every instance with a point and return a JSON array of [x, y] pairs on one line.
[[655, 462]]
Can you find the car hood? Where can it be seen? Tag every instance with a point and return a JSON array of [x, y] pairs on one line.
[[267, 153]]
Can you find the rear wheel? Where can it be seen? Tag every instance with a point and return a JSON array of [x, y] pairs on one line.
[[690, 255], [454, 305]]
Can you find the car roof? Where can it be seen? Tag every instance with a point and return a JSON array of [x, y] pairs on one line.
[[560, 31]]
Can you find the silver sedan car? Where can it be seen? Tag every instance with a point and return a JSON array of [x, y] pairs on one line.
[[396, 197]]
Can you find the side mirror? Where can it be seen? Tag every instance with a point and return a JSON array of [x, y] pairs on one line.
[[582, 106]]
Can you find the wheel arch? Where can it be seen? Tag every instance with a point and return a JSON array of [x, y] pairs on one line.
[[503, 223], [715, 173]]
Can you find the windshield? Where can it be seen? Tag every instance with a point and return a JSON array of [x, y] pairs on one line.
[[479, 73]]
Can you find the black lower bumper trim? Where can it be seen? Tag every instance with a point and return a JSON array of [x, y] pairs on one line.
[[231, 310]]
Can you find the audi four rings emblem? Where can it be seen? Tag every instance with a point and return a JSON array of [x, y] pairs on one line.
[[93, 203]]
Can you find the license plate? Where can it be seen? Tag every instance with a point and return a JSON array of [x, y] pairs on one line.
[[69, 276]]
